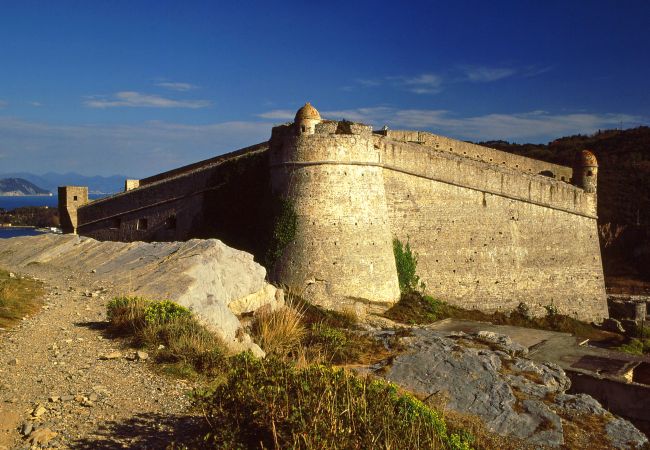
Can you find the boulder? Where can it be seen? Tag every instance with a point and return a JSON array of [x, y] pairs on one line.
[[214, 281]]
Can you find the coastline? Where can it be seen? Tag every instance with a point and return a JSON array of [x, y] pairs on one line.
[[8, 194]]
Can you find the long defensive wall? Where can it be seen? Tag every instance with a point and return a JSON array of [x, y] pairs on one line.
[[491, 229]]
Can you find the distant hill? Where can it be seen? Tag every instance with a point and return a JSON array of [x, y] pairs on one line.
[[20, 186], [51, 181], [623, 191]]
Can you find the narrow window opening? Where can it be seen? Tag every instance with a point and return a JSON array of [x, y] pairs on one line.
[[74, 198], [142, 224]]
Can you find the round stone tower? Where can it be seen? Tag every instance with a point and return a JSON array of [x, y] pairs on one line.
[[585, 171], [341, 256]]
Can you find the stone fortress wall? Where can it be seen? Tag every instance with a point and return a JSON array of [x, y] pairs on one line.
[[490, 229]]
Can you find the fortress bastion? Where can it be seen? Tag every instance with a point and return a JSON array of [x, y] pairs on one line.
[[490, 229]]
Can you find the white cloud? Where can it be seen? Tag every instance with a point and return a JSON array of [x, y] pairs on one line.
[[36, 104], [176, 86], [278, 114], [482, 74], [139, 150], [136, 99], [426, 83], [369, 82]]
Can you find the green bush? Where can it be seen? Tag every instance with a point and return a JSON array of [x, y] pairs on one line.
[[164, 311], [406, 262], [272, 404], [178, 340], [636, 347]]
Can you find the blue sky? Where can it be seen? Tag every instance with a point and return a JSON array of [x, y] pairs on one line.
[[137, 87]]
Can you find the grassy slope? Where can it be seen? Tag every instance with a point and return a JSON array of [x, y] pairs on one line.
[[19, 297]]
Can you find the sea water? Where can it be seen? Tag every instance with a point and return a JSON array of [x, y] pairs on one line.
[[13, 202], [10, 232]]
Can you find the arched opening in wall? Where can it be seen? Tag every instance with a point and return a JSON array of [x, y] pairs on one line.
[[547, 173], [142, 224], [590, 173]]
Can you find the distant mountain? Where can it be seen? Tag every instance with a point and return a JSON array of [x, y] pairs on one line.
[[51, 181], [20, 186]]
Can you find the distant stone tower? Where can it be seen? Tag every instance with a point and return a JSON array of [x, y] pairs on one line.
[[585, 171], [70, 199], [342, 254]]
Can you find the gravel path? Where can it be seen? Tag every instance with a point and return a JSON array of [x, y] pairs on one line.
[[54, 380]]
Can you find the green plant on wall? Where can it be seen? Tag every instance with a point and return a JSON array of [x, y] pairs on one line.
[[284, 230], [406, 261]]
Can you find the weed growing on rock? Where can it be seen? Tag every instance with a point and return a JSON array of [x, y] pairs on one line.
[[273, 404]]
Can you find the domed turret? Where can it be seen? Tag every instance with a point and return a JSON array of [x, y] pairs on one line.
[[585, 171], [306, 119]]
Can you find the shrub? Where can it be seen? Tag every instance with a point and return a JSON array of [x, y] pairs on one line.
[[126, 314], [551, 310], [406, 262], [171, 330], [272, 404], [279, 331], [636, 347], [164, 311], [416, 308]]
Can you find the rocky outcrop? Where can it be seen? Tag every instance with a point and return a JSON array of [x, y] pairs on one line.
[[487, 375], [213, 280]]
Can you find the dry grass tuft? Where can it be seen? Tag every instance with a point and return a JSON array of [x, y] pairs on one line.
[[19, 297], [126, 314], [281, 331]]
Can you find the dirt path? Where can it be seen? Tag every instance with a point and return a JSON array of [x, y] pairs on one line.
[[53, 377]]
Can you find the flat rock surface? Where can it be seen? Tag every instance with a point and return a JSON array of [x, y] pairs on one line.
[[486, 375], [54, 384]]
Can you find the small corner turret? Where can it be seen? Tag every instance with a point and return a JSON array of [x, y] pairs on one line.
[[70, 199], [585, 171], [306, 119]]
